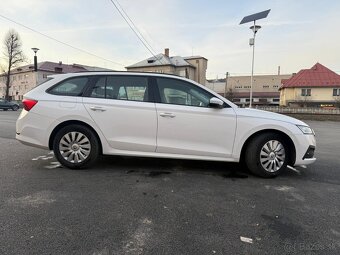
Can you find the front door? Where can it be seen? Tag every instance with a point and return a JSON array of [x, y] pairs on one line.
[[188, 125]]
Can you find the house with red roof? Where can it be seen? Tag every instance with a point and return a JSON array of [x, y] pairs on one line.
[[314, 87]]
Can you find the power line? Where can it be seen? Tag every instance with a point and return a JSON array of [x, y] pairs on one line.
[[120, 6], [54, 39], [134, 28]]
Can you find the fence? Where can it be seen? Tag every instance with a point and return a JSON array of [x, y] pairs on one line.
[[304, 110]]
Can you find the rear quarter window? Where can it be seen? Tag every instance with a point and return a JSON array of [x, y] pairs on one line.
[[70, 87]]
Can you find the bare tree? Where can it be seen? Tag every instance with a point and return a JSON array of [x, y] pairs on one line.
[[13, 54]]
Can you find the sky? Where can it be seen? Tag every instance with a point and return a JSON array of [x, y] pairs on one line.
[[294, 36]]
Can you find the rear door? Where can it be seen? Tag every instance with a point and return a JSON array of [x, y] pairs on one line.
[[122, 107]]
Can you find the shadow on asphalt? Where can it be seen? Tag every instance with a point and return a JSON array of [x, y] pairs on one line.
[[154, 167]]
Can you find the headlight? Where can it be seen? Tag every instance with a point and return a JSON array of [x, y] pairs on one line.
[[306, 130]]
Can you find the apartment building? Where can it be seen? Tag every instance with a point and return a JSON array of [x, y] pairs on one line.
[[24, 78], [237, 88], [193, 67]]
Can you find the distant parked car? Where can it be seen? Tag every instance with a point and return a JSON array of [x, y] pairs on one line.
[[5, 105], [83, 115]]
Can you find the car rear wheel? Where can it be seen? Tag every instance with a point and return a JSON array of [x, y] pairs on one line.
[[15, 108], [76, 146], [267, 155]]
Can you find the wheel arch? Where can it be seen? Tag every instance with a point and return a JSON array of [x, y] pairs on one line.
[[72, 122], [275, 131]]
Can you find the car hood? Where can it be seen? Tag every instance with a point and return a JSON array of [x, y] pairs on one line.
[[254, 113]]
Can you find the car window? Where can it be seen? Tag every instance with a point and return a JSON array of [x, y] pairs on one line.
[[70, 87], [121, 88], [98, 89], [173, 91]]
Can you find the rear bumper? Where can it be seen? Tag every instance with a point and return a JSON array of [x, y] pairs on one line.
[[31, 129]]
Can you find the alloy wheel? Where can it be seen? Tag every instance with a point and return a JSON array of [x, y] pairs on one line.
[[272, 156], [74, 147]]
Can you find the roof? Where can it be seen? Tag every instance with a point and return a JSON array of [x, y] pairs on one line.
[[194, 57], [317, 76], [216, 80], [162, 60], [48, 66], [256, 94]]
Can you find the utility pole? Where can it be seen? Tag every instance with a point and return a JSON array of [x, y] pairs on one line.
[[226, 84]]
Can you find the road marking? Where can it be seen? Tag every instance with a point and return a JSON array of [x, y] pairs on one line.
[[246, 239]]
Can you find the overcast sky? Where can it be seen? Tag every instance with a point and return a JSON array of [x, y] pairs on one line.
[[296, 34]]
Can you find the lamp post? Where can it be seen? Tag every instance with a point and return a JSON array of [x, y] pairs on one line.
[[35, 59], [254, 28]]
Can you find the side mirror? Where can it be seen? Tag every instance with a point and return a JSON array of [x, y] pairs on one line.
[[216, 102]]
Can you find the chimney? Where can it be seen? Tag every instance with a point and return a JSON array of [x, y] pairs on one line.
[[166, 52], [278, 70], [60, 62]]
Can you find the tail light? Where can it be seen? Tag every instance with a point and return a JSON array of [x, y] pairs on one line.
[[29, 104]]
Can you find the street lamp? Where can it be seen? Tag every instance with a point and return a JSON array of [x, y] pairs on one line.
[[35, 59], [255, 28]]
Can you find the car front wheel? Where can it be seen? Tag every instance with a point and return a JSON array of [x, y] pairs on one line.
[[267, 155], [76, 146], [15, 108]]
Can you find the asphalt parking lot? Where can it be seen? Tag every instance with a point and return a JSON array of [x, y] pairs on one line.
[[151, 206]]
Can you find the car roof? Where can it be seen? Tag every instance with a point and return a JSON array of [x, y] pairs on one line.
[[137, 73]]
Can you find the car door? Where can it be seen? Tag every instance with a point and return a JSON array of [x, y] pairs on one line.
[[121, 107], [187, 124]]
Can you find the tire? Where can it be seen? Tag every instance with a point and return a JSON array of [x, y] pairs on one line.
[[15, 108], [267, 155], [76, 147], [5, 109]]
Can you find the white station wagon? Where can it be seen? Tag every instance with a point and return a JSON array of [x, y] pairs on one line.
[[82, 115]]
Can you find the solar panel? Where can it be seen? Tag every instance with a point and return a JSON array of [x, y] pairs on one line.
[[256, 16]]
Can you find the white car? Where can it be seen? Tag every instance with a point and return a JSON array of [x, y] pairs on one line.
[[82, 115]]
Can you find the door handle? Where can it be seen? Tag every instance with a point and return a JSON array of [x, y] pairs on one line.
[[167, 115], [97, 108]]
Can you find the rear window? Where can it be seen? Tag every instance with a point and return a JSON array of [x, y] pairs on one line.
[[70, 87]]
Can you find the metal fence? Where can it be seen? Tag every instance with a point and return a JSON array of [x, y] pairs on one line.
[[304, 110]]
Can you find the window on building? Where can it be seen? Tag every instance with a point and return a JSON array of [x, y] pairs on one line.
[[306, 92], [265, 86], [336, 92], [276, 99], [275, 86]]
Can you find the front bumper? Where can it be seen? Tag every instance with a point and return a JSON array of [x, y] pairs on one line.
[[305, 146]]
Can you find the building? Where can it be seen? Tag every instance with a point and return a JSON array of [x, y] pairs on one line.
[[24, 78], [314, 87], [193, 67], [237, 88]]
